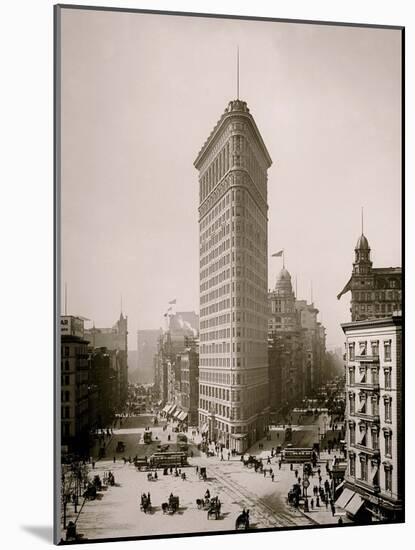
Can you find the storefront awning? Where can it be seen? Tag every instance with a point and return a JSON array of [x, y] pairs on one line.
[[182, 415], [355, 504], [204, 428], [238, 436], [177, 413], [344, 498], [172, 409], [166, 408]]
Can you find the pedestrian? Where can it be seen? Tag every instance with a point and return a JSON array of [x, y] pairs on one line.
[[265, 472], [269, 460], [312, 503], [93, 464], [279, 465], [296, 473], [229, 455], [197, 470], [114, 459], [340, 521], [272, 476], [333, 508], [270, 472]]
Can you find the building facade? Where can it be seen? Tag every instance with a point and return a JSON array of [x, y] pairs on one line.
[[374, 477], [285, 348], [375, 292], [75, 365], [146, 349], [177, 367], [114, 339], [233, 225], [296, 347]]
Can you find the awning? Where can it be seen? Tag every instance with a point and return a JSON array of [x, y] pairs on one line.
[[204, 428], [182, 415], [354, 504], [166, 408], [177, 413], [172, 409], [238, 436], [344, 498]]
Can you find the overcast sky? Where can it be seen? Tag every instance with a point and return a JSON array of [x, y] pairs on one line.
[[140, 95]]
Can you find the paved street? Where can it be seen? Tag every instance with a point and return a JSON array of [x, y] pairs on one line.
[[116, 511]]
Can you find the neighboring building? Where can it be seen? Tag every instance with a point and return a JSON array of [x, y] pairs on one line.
[[146, 349], [104, 385], [296, 347], [114, 339], [75, 366], [376, 292], [176, 367], [233, 224], [374, 478], [285, 348], [188, 365]]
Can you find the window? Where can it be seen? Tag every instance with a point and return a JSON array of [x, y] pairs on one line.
[[375, 348], [388, 478], [362, 347], [375, 439], [388, 409], [363, 468], [352, 431], [352, 352], [388, 443], [387, 350], [352, 403], [352, 465], [351, 375], [388, 378]]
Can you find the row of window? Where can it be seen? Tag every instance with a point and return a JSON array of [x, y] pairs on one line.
[[364, 472], [374, 410], [363, 349], [376, 296], [364, 377]]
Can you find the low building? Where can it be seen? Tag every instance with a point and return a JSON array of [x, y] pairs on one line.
[[374, 477], [75, 365]]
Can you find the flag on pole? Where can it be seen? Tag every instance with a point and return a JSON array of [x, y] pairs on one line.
[[278, 254], [172, 301]]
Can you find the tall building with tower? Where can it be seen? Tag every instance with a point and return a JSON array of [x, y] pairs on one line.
[[233, 224]]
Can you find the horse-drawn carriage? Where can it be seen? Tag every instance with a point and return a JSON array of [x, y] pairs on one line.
[[90, 493], [145, 504], [152, 476], [202, 473], [171, 506], [214, 508], [242, 521]]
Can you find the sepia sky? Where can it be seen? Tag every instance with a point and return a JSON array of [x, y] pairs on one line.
[[140, 95]]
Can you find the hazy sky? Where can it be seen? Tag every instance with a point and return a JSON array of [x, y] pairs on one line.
[[140, 95]]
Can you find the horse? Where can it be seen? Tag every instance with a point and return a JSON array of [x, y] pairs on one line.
[[199, 503]]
